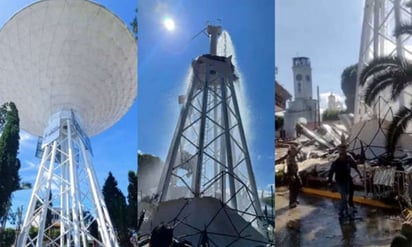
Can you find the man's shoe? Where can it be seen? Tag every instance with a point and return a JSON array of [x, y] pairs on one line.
[[293, 205]]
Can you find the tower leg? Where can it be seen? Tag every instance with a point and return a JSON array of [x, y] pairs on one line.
[[228, 142], [66, 187]]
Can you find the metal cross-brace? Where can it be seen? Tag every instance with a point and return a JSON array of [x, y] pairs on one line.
[[66, 202], [208, 156], [380, 20]]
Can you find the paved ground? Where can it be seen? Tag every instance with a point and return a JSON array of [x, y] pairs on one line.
[[314, 223]]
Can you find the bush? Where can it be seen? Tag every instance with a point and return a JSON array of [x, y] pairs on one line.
[[7, 237], [330, 115]]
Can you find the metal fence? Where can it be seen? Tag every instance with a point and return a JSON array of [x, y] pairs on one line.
[[388, 183]]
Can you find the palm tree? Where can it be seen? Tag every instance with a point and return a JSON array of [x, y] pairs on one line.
[[395, 72], [384, 72], [396, 128]]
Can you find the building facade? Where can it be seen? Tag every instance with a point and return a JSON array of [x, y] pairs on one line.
[[303, 108]]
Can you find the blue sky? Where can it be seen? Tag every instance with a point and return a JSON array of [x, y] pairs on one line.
[[328, 32], [165, 58], [114, 150]]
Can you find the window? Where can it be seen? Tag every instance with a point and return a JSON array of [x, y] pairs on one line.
[[299, 87]]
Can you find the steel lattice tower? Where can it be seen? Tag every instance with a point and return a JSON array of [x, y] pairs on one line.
[[66, 187], [380, 19], [209, 156]]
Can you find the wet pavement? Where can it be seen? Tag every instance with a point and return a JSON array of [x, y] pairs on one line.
[[314, 222]]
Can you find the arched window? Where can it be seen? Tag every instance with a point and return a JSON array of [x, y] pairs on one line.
[[299, 87]]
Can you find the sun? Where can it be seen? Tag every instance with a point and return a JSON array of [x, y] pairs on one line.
[[169, 24]]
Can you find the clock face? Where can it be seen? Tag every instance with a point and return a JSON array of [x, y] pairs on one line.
[[299, 77], [308, 77]]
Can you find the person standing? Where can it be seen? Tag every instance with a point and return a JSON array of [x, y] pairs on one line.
[[293, 177], [353, 164], [341, 167]]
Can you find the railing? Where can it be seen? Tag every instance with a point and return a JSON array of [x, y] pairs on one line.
[[387, 182]]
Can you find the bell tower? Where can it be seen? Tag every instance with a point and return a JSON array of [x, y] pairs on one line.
[[302, 77]]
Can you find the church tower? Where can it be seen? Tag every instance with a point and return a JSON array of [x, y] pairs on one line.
[[302, 77], [303, 108]]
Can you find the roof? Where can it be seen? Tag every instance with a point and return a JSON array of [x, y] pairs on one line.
[[279, 89], [281, 96]]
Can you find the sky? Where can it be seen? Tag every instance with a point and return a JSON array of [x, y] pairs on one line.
[[114, 150], [328, 32], [165, 58]]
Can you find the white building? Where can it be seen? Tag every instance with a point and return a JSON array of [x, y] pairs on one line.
[[303, 107], [333, 104]]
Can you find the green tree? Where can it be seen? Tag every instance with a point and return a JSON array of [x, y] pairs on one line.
[[384, 72], [148, 160], [149, 169], [8, 237], [348, 86], [117, 208], [9, 163], [134, 25], [330, 115], [132, 200], [3, 116]]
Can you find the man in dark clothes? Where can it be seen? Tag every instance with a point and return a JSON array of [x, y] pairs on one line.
[[162, 236], [353, 165], [293, 176], [341, 167]]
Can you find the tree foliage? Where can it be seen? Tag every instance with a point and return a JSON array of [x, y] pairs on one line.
[[147, 159], [132, 200], [149, 170], [9, 163], [348, 86], [384, 72], [396, 128], [117, 208], [395, 72], [330, 115], [134, 25], [7, 237]]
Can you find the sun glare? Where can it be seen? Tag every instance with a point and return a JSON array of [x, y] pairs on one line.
[[169, 24]]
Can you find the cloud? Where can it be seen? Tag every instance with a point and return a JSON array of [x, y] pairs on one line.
[[26, 139], [29, 166], [265, 193], [260, 157], [270, 185]]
